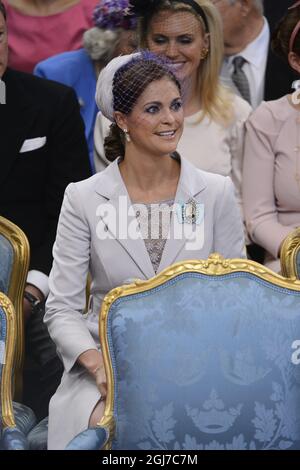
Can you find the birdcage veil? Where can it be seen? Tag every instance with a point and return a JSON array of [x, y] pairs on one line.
[[104, 90], [118, 89]]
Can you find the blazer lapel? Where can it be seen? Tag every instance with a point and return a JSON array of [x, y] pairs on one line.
[[113, 189], [18, 115], [190, 184], [127, 234]]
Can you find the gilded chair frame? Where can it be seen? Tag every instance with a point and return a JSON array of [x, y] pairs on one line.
[[6, 385], [215, 265], [288, 254], [21, 251]]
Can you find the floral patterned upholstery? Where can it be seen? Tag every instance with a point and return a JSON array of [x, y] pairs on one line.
[[205, 362]]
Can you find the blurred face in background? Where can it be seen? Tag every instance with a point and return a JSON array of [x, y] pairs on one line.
[[3, 45], [233, 21], [180, 38], [127, 43]]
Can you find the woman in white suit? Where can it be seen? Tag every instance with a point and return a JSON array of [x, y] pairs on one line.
[[109, 227]]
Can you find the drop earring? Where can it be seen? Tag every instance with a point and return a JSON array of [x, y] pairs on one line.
[[204, 53], [127, 136]]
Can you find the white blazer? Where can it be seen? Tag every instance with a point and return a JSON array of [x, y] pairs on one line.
[[81, 246]]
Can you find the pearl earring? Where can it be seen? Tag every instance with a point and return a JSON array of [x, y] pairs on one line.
[[127, 136]]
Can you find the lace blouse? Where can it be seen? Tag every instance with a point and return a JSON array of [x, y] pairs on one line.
[[154, 223]]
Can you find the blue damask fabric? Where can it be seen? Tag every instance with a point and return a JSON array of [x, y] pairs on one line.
[[90, 439], [24, 417], [6, 257], [38, 436], [13, 439], [206, 362]]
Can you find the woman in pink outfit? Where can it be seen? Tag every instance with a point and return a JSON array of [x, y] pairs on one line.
[[271, 179], [39, 29]]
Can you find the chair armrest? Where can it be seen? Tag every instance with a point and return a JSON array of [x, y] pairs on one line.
[[13, 439], [90, 439]]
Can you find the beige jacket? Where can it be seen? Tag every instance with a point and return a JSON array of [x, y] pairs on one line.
[[81, 246]]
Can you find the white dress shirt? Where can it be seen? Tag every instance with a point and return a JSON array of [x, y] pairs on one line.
[[39, 280], [256, 55]]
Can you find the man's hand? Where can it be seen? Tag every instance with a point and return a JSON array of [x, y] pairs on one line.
[[27, 307]]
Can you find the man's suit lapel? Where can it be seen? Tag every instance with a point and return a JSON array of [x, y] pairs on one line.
[[113, 189], [17, 117]]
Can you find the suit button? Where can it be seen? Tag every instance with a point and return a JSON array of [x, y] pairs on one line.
[[138, 213]]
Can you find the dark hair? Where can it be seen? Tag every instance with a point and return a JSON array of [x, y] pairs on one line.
[[2, 10], [283, 32], [130, 81]]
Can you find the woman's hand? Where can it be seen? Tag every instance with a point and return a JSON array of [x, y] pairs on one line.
[[92, 360], [100, 378]]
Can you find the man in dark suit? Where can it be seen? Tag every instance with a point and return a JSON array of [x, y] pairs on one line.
[[275, 10], [279, 76], [250, 67], [42, 150]]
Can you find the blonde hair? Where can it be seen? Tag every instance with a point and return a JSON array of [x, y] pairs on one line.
[[216, 100]]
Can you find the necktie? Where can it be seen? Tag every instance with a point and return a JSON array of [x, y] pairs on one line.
[[240, 79]]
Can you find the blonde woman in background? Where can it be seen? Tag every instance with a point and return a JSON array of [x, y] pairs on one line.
[[189, 34]]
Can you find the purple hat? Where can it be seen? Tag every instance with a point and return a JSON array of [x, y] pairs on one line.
[[114, 14]]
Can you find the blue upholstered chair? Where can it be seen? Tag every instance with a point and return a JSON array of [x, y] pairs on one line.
[[17, 421], [206, 355], [14, 262], [290, 255]]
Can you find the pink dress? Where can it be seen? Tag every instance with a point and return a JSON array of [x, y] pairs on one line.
[[35, 38], [271, 178]]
